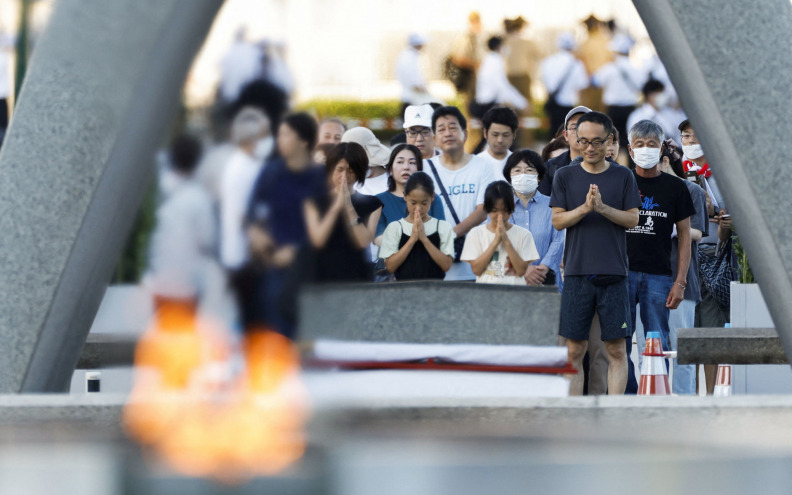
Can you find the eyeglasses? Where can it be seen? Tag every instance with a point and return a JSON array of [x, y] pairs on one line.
[[687, 136], [596, 143], [424, 133]]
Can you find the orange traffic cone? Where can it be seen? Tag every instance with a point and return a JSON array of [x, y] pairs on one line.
[[723, 382], [654, 378]]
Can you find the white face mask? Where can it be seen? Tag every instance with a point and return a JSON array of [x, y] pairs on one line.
[[662, 100], [693, 151], [525, 183], [646, 157]]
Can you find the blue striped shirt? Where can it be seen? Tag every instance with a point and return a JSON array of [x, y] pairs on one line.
[[536, 216]]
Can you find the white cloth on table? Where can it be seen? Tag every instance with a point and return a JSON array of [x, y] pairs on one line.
[[499, 355]]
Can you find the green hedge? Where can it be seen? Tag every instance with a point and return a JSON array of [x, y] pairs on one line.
[[134, 258], [352, 109], [357, 109]]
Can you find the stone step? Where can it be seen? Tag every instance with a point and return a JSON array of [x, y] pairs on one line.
[[730, 346], [105, 350], [429, 312]]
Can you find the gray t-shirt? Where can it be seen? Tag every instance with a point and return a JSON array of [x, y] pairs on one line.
[[699, 221], [595, 245]]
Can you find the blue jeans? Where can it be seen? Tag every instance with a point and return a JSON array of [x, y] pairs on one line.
[[684, 380], [650, 292], [275, 307]]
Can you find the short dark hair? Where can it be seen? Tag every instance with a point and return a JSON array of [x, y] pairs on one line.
[[304, 125], [499, 190], [615, 134], [559, 143], [500, 115], [396, 150], [265, 96], [447, 111], [530, 157], [494, 43], [674, 154], [399, 138], [652, 86], [355, 156], [184, 153], [419, 180], [597, 118], [684, 125]]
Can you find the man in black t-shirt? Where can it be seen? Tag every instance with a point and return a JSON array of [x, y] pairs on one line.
[[595, 201], [665, 204]]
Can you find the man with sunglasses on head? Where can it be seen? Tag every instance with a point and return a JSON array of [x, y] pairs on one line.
[[565, 158], [596, 201]]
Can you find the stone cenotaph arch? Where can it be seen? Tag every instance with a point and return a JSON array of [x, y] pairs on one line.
[[104, 82], [102, 86], [731, 64]]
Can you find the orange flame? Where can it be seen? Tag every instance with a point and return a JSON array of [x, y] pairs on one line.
[[191, 410]]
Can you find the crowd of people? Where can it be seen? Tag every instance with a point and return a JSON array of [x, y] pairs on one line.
[[505, 68], [299, 201]]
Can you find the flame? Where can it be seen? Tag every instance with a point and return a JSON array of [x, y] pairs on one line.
[[192, 410]]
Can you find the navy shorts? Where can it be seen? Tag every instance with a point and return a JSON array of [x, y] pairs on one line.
[[581, 298]]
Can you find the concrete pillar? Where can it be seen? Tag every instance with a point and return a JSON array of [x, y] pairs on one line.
[[731, 64], [101, 88]]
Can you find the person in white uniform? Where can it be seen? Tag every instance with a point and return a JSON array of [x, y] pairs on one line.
[[410, 74], [655, 108], [621, 83], [492, 84], [240, 66], [564, 76]]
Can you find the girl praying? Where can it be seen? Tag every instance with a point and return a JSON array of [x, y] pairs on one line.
[[418, 246], [499, 252]]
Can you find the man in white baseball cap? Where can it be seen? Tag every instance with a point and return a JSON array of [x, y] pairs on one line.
[[378, 155], [418, 129]]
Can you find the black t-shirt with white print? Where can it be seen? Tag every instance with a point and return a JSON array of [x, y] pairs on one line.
[[665, 200]]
